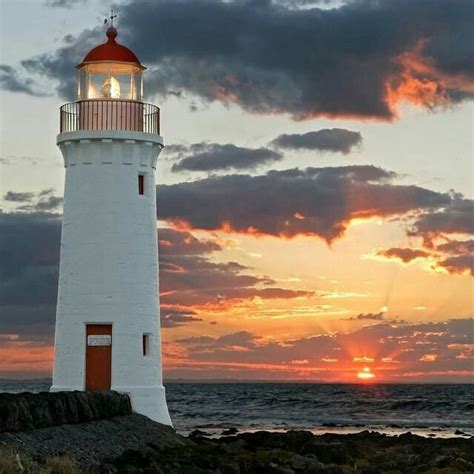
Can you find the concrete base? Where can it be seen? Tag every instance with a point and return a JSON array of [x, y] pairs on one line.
[[148, 401], [60, 388]]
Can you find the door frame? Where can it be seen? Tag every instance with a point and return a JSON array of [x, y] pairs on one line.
[[84, 352]]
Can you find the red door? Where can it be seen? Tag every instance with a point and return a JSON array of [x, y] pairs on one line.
[[98, 356]]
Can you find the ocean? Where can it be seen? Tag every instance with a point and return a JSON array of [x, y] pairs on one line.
[[434, 410]]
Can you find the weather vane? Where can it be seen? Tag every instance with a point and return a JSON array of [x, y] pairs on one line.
[[111, 18]]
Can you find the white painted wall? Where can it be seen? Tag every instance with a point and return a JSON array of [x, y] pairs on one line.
[[109, 263]]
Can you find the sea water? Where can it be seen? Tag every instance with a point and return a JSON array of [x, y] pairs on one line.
[[426, 409]]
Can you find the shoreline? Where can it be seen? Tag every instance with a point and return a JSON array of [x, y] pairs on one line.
[[133, 443], [99, 432], [430, 433], [187, 418]]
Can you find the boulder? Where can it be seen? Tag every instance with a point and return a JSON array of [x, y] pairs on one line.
[[28, 411], [291, 440], [335, 453]]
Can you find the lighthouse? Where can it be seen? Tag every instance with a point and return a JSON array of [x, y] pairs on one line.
[[107, 321]]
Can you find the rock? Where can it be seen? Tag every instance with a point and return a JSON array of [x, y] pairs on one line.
[[441, 461], [276, 469], [198, 434], [27, 411], [291, 440], [229, 468], [95, 442], [459, 433], [231, 431], [463, 465], [233, 447], [305, 464], [371, 470], [327, 452]]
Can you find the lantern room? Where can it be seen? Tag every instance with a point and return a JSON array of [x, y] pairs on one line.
[[110, 92], [110, 71]]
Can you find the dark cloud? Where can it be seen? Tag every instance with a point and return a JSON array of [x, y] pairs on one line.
[[172, 318], [333, 140], [458, 218], [197, 281], [459, 264], [64, 3], [361, 59], [313, 201], [18, 197], [457, 247], [240, 339], [29, 256], [29, 242], [62, 64], [12, 81], [403, 254], [44, 201], [177, 242], [370, 316], [188, 277], [217, 157], [29, 266]]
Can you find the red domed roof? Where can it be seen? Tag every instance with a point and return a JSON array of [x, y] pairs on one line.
[[111, 51]]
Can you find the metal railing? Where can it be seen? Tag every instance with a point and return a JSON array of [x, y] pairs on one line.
[[109, 114]]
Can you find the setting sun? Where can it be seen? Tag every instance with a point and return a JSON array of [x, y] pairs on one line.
[[365, 374]]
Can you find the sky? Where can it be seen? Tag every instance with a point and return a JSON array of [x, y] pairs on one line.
[[315, 196]]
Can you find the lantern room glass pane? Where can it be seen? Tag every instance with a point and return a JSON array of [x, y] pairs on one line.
[[110, 81]]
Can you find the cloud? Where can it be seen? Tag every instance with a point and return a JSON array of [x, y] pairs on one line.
[[188, 277], [12, 81], [305, 62], [197, 281], [457, 247], [460, 264], [330, 140], [174, 242], [240, 339], [172, 318], [313, 201], [29, 268], [64, 3], [393, 351], [44, 201], [457, 218], [216, 157], [405, 255], [29, 255], [370, 316], [18, 197]]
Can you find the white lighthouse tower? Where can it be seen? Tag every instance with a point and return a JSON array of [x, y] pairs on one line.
[[107, 321]]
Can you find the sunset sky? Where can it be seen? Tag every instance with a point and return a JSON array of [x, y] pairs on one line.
[[314, 196]]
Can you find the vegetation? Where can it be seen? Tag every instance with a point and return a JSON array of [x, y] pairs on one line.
[[13, 462]]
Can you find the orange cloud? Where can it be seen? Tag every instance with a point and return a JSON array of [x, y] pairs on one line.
[[19, 356], [420, 83]]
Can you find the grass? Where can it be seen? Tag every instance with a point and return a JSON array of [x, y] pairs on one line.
[[59, 465], [12, 463]]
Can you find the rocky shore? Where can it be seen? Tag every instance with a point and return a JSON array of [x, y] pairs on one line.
[[127, 442]]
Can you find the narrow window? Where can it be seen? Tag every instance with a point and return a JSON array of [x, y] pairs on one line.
[[146, 344], [141, 184]]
